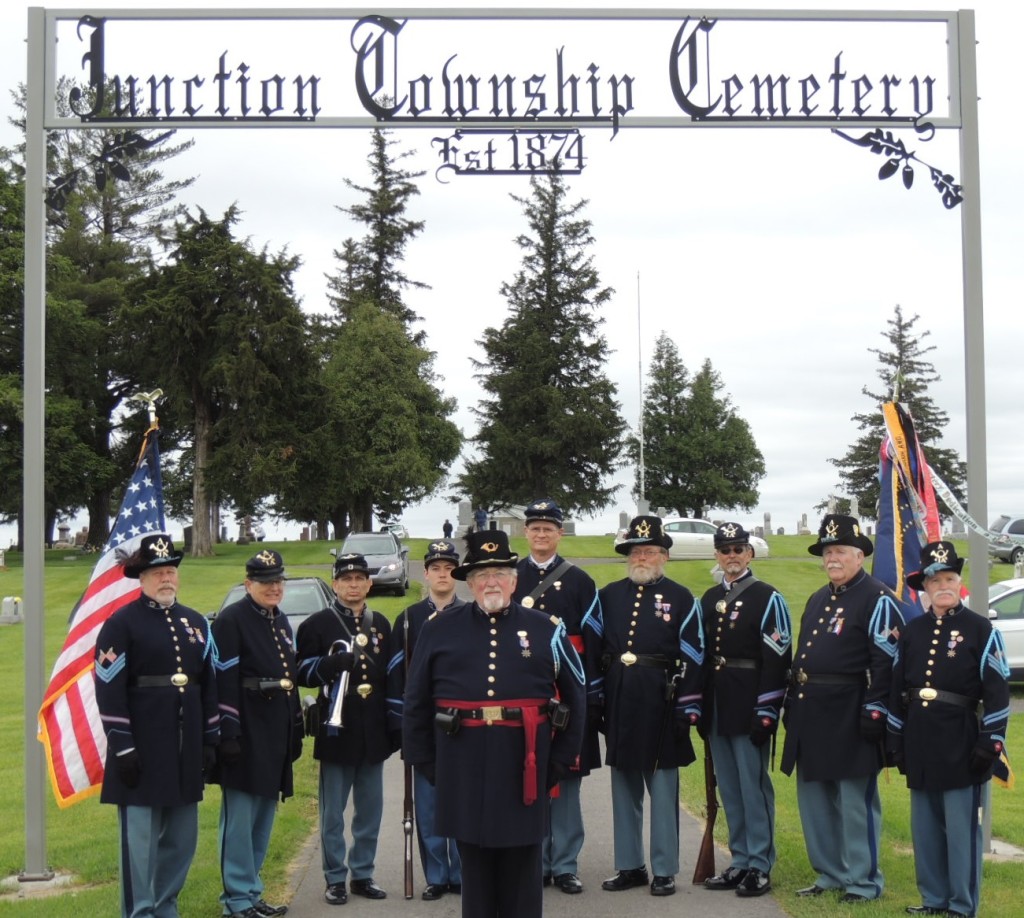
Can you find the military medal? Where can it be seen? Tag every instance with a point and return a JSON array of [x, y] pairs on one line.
[[558, 584], [524, 642], [527, 601]]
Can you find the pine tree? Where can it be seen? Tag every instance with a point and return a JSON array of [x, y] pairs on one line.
[[549, 422], [906, 375]]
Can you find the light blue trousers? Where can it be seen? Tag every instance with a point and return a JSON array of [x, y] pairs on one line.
[[157, 847], [565, 840], [366, 785], [628, 819], [246, 822], [438, 855]]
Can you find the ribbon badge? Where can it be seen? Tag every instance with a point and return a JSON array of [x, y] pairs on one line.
[[524, 642]]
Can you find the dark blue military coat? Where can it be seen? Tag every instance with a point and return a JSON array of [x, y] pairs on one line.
[[849, 632], [472, 656], [573, 599], [407, 629], [363, 737], [166, 724], [253, 645], [660, 620], [960, 653], [745, 626]]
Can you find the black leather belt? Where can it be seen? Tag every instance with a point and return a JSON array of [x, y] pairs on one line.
[[801, 678], [261, 684], [731, 663], [655, 660], [930, 694], [497, 712], [178, 680]]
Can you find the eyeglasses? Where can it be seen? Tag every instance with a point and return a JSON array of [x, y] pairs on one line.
[[645, 552], [732, 549]]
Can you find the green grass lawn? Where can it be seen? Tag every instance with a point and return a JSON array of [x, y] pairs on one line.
[[82, 840]]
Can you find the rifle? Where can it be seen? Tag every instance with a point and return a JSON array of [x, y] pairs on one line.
[[407, 805], [705, 866]]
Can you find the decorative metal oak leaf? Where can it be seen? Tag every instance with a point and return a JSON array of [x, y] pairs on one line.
[[899, 159]]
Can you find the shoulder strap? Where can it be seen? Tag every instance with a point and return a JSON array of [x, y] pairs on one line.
[[550, 579]]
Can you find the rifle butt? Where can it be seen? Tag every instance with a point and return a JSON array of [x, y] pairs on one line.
[[705, 866]]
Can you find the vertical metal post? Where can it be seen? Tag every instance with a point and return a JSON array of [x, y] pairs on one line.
[[32, 495], [974, 336], [641, 504]]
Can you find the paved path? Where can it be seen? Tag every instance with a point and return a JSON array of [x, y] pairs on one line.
[[596, 864]]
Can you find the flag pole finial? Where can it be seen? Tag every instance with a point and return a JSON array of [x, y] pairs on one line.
[[149, 399]]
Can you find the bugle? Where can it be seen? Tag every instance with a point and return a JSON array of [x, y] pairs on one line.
[[334, 720]]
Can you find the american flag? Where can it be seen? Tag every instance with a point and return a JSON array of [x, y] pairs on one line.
[[69, 721]]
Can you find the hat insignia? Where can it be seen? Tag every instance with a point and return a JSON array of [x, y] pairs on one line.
[[161, 549], [856, 529], [542, 505], [265, 557], [940, 554], [643, 530], [832, 530], [489, 547], [729, 530], [438, 546]]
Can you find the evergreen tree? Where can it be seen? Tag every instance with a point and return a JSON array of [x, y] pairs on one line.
[[698, 453], [904, 370], [549, 422]]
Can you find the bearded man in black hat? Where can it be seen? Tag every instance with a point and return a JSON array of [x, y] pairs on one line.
[[550, 584], [948, 716], [349, 638], [261, 730], [439, 855], [653, 650], [836, 710], [156, 689], [749, 636], [479, 722]]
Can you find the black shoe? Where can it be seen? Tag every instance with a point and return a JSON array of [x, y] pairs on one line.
[[250, 912], [814, 890], [455, 888], [367, 889], [663, 886], [266, 910], [434, 891], [925, 910], [728, 879], [568, 883], [626, 879], [336, 894], [755, 883], [853, 897]]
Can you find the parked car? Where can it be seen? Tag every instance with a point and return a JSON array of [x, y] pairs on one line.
[[387, 558], [1006, 612], [1002, 546], [396, 529], [695, 539], [302, 597]]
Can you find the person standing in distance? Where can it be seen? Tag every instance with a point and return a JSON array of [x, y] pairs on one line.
[[446, 529], [654, 650], [351, 755], [545, 581], [948, 713], [479, 721], [156, 690], [836, 710], [749, 637], [261, 730], [439, 855]]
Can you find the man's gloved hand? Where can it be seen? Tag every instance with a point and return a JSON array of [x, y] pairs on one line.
[[296, 744], [595, 717], [427, 770], [129, 769], [334, 664], [872, 726], [557, 771], [230, 751], [209, 759], [761, 730], [984, 755]]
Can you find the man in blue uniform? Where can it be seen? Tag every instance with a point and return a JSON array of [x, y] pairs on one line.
[[352, 753], [950, 667], [836, 712], [550, 584], [156, 689], [261, 730], [654, 650], [439, 855], [749, 635], [480, 723]]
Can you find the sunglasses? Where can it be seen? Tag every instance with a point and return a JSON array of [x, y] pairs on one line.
[[732, 549]]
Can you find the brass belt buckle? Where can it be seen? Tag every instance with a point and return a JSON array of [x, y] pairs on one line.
[[491, 713], [927, 694], [287, 684], [364, 690], [628, 658], [179, 680]]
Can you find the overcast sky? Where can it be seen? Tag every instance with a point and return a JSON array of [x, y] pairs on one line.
[[778, 254]]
